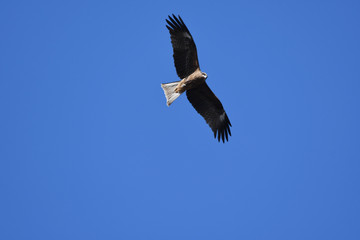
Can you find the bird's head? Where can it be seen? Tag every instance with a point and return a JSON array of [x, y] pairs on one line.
[[204, 75]]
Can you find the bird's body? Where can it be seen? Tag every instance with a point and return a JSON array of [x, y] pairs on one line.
[[193, 80]]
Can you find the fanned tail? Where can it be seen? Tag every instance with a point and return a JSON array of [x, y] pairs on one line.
[[169, 90]]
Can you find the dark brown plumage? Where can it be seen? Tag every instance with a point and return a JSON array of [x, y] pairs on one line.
[[208, 105], [185, 53], [193, 80]]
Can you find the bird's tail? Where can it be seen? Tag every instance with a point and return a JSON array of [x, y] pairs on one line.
[[169, 90]]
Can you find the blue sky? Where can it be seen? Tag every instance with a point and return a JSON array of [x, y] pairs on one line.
[[89, 149]]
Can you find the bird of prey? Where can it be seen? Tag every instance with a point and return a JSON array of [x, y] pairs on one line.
[[193, 80]]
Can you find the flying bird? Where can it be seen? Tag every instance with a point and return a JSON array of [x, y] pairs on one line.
[[192, 80]]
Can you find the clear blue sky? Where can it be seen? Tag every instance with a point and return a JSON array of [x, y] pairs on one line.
[[89, 149]]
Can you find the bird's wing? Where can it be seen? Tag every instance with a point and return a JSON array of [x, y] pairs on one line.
[[209, 106], [185, 54]]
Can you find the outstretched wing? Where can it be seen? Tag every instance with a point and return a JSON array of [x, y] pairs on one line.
[[208, 105], [185, 54]]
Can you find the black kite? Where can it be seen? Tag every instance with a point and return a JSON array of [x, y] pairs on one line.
[[193, 80]]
